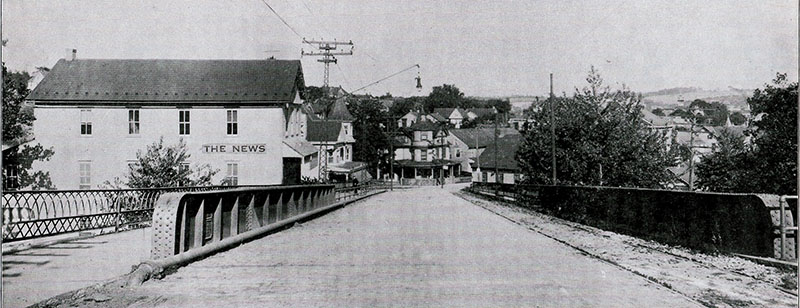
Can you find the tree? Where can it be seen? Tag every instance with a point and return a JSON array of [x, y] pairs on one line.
[[714, 113], [165, 166], [601, 139], [775, 136], [371, 140], [444, 96], [17, 121], [313, 93], [737, 118], [769, 165], [722, 170], [480, 120], [403, 106], [502, 106], [681, 113]]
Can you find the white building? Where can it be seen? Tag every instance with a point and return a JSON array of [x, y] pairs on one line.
[[242, 117], [332, 134]]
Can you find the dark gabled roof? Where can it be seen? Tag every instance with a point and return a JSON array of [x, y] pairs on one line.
[[424, 126], [735, 130], [108, 81], [506, 157], [444, 112], [480, 137], [438, 117], [339, 111], [323, 131], [481, 111]]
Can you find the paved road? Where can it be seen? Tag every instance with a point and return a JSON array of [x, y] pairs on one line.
[[33, 275], [420, 247]]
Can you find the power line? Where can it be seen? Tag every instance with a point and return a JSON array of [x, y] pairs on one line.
[[282, 20], [343, 75]]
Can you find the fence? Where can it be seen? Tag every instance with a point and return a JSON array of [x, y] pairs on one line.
[[739, 223], [32, 214], [190, 220]]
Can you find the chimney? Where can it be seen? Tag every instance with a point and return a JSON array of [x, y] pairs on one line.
[[71, 54]]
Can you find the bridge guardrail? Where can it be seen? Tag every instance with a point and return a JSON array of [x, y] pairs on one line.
[[190, 220], [750, 224], [32, 214]]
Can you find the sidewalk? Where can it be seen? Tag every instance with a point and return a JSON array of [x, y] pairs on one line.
[[37, 273]]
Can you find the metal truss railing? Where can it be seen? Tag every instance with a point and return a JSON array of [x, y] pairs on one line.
[[32, 214]]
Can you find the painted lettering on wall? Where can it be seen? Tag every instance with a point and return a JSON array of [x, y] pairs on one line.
[[252, 148]]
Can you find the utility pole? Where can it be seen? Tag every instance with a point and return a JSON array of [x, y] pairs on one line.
[[691, 155], [477, 159], [496, 151], [328, 55], [553, 130]]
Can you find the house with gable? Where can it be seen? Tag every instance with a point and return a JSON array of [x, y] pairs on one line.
[[467, 144], [422, 154], [331, 132], [454, 116], [241, 117], [498, 164]]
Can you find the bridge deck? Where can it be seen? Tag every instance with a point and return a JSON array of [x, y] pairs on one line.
[[420, 247]]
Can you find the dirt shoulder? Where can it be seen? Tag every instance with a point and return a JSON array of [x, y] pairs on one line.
[[714, 280]]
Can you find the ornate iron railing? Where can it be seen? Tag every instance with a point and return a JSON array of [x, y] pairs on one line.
[[32, 214]]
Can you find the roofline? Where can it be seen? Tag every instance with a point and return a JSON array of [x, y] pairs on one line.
[[117, 103]]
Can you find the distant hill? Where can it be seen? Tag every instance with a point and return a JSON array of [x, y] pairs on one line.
[[671, 98]]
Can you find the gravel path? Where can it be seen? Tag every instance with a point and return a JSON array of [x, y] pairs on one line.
[[416, 247]]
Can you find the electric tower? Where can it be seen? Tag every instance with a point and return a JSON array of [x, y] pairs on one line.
[[328, 53]]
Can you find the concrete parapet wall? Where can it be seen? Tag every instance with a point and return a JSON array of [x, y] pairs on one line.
[[738, 223]]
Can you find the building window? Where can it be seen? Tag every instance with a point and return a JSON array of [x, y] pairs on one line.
[[458, 153], [232, 176], [12, 177], [423, 135], [85, 174], [423, 155], [233, 122], [133, 122], [183, 122], [86, 122]]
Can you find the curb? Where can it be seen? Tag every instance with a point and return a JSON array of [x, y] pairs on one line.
[[43, 244], [153, 268]]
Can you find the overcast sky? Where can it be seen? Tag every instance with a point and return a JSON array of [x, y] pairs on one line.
[[486, 48]]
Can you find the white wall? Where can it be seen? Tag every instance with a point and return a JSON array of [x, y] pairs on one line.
[[110, 147], [306, 169]]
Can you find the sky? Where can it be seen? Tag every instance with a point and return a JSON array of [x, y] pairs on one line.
[[486, 48]]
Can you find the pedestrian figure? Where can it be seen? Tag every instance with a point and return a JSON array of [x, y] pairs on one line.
[[438, 181]]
